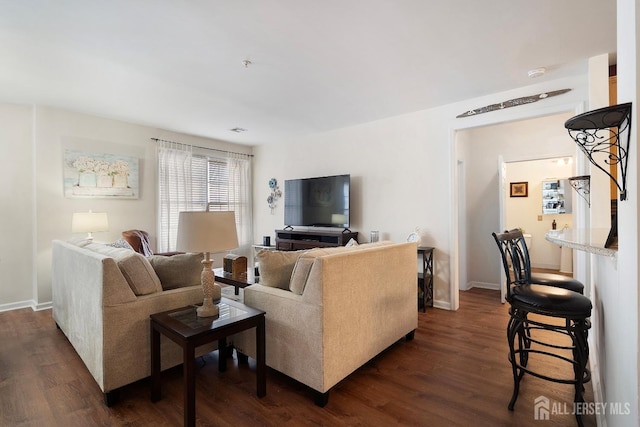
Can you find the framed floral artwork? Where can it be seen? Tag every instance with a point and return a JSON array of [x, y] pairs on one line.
[[98, 175], [519, 189]]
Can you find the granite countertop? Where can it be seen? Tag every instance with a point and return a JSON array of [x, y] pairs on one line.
[[588, 240]]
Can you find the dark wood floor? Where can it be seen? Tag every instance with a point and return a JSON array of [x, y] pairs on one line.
[[455, 372]]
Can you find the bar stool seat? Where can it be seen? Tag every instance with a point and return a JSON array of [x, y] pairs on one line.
[[551, 301]]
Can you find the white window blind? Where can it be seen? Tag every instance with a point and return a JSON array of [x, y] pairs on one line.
[[218, 184], [199, 183]]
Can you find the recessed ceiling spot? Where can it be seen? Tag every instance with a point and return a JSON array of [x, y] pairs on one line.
[[537, 72], [246, 63], [238, 130]]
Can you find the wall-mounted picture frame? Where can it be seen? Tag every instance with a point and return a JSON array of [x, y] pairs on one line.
[[100, 175], [519, 189]]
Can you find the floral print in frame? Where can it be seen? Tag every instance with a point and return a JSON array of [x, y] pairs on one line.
[[98, 175]]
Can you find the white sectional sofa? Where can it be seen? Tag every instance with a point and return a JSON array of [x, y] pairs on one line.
[[102, 299], [329, 311]]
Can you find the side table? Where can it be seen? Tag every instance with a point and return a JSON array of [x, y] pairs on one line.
[[425, 278], [186, 329], [241, 280]]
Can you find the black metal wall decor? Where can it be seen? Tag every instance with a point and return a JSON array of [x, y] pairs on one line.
[[512, 103], [598, 132], [582, 185]]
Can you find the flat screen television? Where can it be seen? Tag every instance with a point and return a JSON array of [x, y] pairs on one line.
[[317, 202]]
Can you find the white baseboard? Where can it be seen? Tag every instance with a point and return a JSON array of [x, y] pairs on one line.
[[482, 285], [43, 306], [445, 305], [26, 304]]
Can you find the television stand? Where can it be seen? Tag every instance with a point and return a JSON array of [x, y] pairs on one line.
[[294, 240]]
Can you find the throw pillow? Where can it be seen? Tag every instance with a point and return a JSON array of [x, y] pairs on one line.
[[120, 243], [351, 242], [139, 274], [300, 274], [276, 267], [178, 270]]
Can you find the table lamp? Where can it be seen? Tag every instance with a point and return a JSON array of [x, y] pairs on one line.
[[207, 232], [89, 222]]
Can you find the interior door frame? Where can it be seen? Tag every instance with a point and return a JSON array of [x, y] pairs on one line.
[[502, 189], [456, 240]]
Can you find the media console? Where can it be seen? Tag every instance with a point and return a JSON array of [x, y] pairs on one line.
[[293, 240]]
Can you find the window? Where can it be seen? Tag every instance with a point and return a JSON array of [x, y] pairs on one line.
[[197, 182]]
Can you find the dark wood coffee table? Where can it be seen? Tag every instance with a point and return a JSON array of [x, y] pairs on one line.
[[185, 328], [238, 281]]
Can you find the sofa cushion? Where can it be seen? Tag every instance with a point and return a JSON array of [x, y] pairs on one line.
[[300, 273], [276, 267], [140, 275], [178, 270]]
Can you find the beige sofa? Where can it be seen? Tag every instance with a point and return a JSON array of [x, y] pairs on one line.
[[102, 299], [340, 308]]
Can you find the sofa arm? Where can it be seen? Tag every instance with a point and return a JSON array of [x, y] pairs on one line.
[[289, 310], [127, 338], [291, 321]]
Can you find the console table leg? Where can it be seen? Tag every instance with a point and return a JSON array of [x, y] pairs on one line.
[[243, 359]]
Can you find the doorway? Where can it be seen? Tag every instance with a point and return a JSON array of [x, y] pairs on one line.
[[479, 152], [549, 204]]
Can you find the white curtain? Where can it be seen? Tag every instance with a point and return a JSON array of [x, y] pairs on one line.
[[240, 201], [175, 194]]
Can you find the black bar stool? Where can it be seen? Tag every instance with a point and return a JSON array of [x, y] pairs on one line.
[[549, 279], [548, 303]]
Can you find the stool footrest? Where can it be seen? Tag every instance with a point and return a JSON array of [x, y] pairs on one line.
[[585, 378]]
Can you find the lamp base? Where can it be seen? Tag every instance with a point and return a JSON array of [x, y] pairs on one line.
[[210, 289], [207, 309]]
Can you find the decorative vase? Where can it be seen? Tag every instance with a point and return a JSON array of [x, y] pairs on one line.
[[120, 181], [105, 181], [87, 180]]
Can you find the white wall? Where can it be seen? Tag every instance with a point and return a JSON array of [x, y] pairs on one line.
[[617, 286], [35, 138], [402, 170], [395, 186], [16, 198]]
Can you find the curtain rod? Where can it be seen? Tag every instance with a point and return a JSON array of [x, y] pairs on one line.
[[204, 148]]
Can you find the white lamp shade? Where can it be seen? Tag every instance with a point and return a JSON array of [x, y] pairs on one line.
[[89, 222], [207, 231]]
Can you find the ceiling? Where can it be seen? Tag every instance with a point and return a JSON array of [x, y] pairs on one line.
[[315, 65]]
